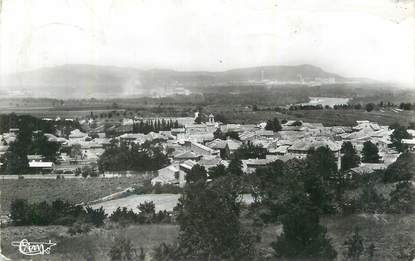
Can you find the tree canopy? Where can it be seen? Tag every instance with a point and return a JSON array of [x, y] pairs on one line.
[[402, 169], [397, 135], [208, 215], [303, 237], [370, 153], [350, 159], [273, 125]]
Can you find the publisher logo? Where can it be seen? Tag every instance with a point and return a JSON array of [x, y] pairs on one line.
[[33, 248]]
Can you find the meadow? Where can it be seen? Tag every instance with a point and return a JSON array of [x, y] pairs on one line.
[[390, 235]]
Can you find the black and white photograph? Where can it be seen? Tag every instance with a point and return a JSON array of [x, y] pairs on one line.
[[215, 130]]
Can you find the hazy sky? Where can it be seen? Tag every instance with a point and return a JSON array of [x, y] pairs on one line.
[[364, 38]]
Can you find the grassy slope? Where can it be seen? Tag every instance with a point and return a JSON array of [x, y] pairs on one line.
[[387, 232]]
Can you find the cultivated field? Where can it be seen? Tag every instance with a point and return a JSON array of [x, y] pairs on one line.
[[73, 190], [328, 117], [389, 233]]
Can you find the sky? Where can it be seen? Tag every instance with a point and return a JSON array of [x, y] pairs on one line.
[[355, 38]]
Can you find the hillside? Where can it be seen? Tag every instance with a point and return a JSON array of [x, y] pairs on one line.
[[80, 81]]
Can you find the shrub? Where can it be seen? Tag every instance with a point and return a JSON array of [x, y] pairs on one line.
[[147, 212], [123, 216], [96, 216], [57, 213], [355, 246], [121, 250], [402, 199]]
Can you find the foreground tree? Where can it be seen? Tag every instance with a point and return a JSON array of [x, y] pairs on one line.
[[370, 153], [208, 215], [350, 159], [303, 237], [319, 177]]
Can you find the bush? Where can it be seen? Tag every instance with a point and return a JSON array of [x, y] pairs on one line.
[[123, 216], [96, 216], [370, 107], [166, 252], [122, 250], [147, 215], [57, 213]]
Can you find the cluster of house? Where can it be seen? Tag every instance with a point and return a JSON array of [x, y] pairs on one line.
[[196, 144]]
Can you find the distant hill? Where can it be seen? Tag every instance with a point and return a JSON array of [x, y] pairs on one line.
[[84, 81]]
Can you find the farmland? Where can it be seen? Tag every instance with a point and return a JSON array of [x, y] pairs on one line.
[[327, 117], [73, 190], [389, 233]]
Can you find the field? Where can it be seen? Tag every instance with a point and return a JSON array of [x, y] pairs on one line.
[[389, 233], [161, 202], [349, 117], [73, 190], [328, 117]]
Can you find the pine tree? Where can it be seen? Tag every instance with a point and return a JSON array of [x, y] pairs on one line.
[[398, 134], [303, 237], [350, 159], [370, 153]]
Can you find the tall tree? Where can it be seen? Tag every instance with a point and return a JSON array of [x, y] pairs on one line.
[[235, 167], [273, 125], [319, 177], [210, 228], [370, 153], [350, 159], [303, 237], [197, 173], [250, 151], [397, 135]]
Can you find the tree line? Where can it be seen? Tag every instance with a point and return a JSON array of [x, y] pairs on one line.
[[30, 139], [148, 126], [148, 156]]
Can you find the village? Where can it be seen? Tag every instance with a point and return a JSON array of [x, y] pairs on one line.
[[189, 141]]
